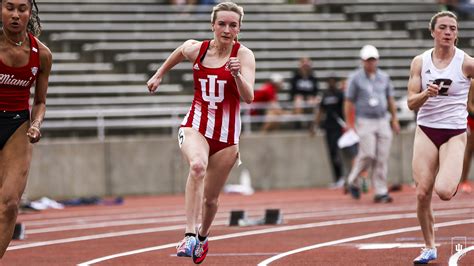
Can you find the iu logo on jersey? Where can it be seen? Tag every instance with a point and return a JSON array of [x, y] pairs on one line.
[[212, 97], [444, 85]]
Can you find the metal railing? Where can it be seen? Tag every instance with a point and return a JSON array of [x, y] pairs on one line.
[[154, 117]]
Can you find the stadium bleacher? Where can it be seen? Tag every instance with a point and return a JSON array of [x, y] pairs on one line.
[[105, 50]]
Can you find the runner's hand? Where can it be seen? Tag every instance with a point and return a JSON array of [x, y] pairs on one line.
[[153, 83], [234, 66], [33, 133]]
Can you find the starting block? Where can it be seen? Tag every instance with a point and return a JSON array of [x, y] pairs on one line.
[[235, 216], [271, 217], [19, 232]]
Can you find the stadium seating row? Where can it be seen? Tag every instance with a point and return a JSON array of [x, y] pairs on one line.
[[105, 50]]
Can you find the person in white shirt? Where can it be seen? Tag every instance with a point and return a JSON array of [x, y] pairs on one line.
[[437, 88]]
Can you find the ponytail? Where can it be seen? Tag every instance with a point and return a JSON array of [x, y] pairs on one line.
[[34, 24]]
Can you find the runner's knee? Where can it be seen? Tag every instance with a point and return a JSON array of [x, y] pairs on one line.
[[211, 202], [9, 207], [423, 195], [198, 169], [445, 193]]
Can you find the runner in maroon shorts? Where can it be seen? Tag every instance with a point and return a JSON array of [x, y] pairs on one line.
[[438, 87], [24, 60], [224, 72]]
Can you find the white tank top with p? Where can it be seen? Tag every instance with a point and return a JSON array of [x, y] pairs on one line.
[[448, 109]]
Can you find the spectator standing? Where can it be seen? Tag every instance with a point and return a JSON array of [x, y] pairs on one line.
[[329, 116], [370, 93], [266, 99], [304, 87]]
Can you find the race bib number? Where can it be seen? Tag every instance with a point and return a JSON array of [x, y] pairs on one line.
[[180, 137], [444, 85]]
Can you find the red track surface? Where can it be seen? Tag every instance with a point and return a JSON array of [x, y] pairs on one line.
[[78, 235]]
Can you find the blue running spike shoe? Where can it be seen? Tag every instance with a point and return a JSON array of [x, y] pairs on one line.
[[426, 255], [355, 192], [200, 251], [186, 246]]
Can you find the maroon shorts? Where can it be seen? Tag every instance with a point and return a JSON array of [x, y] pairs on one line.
[[439, 136]]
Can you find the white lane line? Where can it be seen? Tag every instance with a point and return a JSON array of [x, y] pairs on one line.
[[114, 217], [236, 254], [92, 237], [157, 214], [100, 236], [177, 227], [104, 225], [142, 221], [70, 213], [396, 244], [361, 237], [97, 218], [71, 216], [287, 209], [221, 215], [453, 260], [273, 230], [84, 225], [287, 216], [241, 254], [87, 225], [369, 246], [113, 234]]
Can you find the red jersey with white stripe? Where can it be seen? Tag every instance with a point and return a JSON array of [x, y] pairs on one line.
[[15, 82], [215, 111]]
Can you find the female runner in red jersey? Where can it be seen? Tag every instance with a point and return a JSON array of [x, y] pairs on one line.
[[23, 61], [224, 72]]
